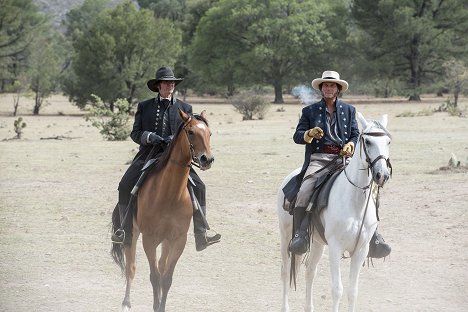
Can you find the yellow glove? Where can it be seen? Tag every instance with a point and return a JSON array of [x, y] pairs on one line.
[[348, 149], [314, 133]]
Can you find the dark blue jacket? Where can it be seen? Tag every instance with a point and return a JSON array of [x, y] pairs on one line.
[[315, 115]]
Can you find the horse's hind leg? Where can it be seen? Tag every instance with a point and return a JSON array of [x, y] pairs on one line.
[[130, 267]]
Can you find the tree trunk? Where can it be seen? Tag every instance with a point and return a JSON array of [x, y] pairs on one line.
[[278, 92], [415, 97], [37, 105], [456, 93]]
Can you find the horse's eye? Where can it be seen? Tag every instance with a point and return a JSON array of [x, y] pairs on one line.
[[190, 132], [367, 141]]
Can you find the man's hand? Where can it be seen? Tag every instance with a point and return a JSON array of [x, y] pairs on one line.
[[314, 133], [155, 139], [348, 149], [168, 139]]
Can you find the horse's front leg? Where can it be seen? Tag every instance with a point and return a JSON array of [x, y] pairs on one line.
[[173, 254], [130, 267], [286, 258], [316, 252], [335, 253], [357, 260], [149, 245]]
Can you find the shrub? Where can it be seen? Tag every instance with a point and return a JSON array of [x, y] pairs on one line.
[[19, 125], [250, 104], [113, 125], [451, 107]]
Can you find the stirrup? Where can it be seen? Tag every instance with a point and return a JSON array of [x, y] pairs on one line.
[[118, 237]]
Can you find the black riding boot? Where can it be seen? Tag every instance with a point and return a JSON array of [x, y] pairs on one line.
[[202, 240], [118, 236], [378, 248], [300, 242]]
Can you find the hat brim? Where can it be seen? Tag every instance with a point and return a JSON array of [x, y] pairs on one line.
[[316, 83], [153, 83]]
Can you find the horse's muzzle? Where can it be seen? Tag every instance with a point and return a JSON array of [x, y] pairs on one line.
[[381, 178], [205, 162]]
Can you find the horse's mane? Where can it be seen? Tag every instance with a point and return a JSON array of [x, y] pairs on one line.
[[164, 158]]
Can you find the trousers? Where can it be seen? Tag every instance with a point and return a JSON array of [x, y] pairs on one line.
[[317, 162]]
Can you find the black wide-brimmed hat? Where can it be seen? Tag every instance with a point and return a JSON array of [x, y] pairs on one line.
[[164, 73]]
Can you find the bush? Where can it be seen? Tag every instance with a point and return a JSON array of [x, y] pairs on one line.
[[19, 125], [450, 107], [113, 125], [250, 104]]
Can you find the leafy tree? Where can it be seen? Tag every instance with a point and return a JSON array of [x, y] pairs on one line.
[[170, 9], [78, 21], [121, 51], [20, 22], [195, 10], [271, 42], [456, 73], [46, 63], [410, 39]]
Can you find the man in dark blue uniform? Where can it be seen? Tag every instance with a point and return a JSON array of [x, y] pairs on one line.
[[156, 121], [328, 128]]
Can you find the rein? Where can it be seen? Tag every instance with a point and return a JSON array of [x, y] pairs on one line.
[[192, 158], [369, 186]]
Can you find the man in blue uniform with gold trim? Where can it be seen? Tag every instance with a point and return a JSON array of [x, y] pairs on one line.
[[327, 128]]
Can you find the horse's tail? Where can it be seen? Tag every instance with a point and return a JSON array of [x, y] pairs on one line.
[[117, 249]]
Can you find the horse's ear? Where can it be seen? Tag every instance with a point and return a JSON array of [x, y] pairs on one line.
[[183, 115], [384, 120], [362, 120], [203, 114]]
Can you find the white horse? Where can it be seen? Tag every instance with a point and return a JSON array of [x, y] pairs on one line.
[[349, 219]]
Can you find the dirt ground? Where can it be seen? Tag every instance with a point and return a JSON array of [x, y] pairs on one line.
[[58, 187]]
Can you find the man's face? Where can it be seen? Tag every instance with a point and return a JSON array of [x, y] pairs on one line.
[[329, 90], [166, 88]]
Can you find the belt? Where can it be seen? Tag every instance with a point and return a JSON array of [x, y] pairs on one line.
[[331, 149]]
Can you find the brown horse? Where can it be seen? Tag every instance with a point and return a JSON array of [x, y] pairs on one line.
[[164, 209]]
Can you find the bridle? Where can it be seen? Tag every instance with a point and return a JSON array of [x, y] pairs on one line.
[[193, 159], [370, 162], [370, 166]]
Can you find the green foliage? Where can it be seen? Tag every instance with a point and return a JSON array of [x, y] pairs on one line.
[[20, 24], [113, 125], [170, 9], [239, 43], [46, 63], [451, 107], [250, 104], [409, 40], [120, 52], [19, 125]]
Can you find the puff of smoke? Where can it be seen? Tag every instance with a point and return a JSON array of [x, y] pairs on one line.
[[306, 94]]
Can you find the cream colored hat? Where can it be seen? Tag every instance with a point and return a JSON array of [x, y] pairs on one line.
[[330, 76]]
